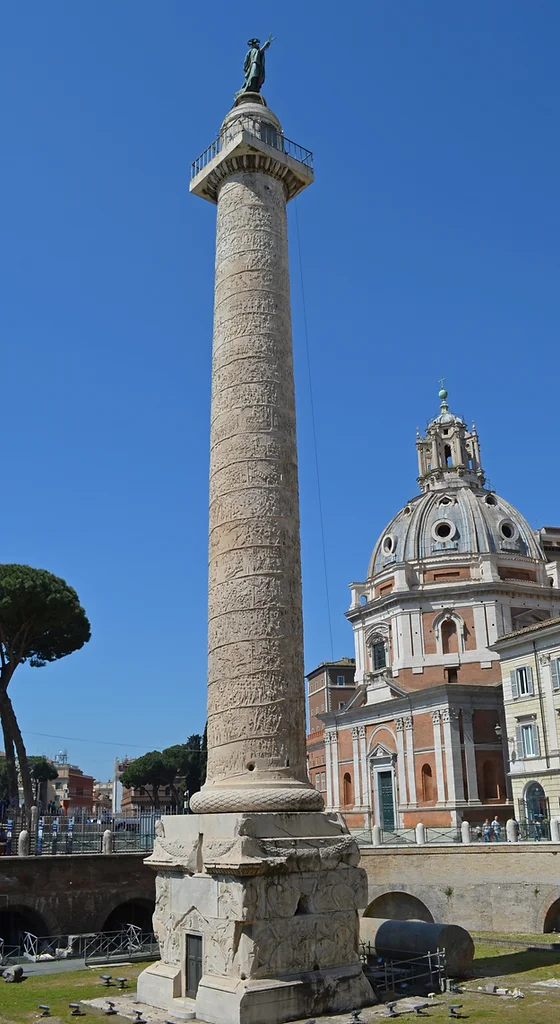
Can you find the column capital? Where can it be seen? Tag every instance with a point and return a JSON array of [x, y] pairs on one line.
[[399, 724], [408, 723], [362, 731], [436, 717], [354, 732], [446, 716]]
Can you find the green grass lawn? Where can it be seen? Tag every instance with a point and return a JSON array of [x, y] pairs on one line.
[[19, 1002], [506, 967]]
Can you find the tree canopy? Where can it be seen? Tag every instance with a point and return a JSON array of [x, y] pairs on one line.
[[182, 767], [41, 620]]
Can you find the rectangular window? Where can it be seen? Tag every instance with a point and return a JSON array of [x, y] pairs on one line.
[[555, 673], [521, 681], [529, 740], [340, 680], [378, 654], [323, 780], [318, 780], [341, 705]]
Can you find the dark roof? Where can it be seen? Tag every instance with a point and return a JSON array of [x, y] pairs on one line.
[[534, 628]]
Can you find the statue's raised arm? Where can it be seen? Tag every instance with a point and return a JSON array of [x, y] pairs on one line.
[[254, 66]]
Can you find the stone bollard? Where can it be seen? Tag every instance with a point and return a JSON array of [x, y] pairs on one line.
[[107, 841], [34, 819], [420, 834], [512, 831], [465, 833], [24, 843], [554, 830], [376, 835]]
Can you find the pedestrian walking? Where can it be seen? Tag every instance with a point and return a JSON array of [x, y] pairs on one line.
[[496, 828], [487, 831]]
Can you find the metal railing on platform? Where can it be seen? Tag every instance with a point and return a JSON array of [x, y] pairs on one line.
[[129, 943], [260, 129]]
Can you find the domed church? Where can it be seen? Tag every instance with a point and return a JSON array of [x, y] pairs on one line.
[[422, 735]]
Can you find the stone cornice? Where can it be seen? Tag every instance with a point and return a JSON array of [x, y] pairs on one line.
[[468, 587]]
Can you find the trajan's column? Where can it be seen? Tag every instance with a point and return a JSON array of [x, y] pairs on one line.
[[258, 889]]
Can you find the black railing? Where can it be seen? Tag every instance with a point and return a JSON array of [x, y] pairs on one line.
[[264, 131]]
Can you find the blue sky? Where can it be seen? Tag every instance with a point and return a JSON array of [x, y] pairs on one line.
[[429, 246]]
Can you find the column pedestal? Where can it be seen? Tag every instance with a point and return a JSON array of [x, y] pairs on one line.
[[275, 899]]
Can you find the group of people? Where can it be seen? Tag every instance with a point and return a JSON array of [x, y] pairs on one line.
[[490, 831]]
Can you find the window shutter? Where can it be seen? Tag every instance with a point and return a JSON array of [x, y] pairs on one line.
[[536, 741], [529, 679], [555, 673], [520, 751], [514, 683]]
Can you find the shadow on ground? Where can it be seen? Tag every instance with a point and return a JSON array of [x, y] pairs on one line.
[[503, 964]]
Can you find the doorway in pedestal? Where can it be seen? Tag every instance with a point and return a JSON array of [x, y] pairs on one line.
[[194, 963]]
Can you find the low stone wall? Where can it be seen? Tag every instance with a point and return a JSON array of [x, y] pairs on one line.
[[74, 893], [490, 887]]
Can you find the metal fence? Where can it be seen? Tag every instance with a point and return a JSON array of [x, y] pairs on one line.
[[56, 835], [258, 128], [409, 974], [408, 837], [130, 943]]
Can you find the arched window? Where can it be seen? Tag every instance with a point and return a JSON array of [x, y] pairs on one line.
[[447, 455], [347, 790], [449, 638], [427, 784]]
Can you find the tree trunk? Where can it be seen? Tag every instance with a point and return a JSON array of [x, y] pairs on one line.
[[15, 732], [10, 755]]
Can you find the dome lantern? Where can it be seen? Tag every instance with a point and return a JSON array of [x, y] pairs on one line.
[[449, 454]]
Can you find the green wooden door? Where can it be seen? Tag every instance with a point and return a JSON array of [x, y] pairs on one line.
[[386, 803], [194, 964]]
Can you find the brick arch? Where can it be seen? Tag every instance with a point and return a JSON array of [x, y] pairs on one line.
[[41, 916], [113, 901], [372, 740], [549, 908], [399, 905]]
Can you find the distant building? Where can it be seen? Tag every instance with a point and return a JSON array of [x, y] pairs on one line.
[[134, 801], [530, 664], [422, 737], [102, 797], [72, 791]]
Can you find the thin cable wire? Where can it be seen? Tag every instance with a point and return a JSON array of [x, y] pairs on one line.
[[82, 739], [314, 434]]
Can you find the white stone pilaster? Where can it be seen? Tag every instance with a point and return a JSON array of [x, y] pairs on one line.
[[436, 720], [480, 631], [356, 762], [401, 770], [366, 787], [470, 758], [408, 722], [335, 771], [328, 770], [450, 733]]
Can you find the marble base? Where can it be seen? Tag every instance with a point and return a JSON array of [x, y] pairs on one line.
[[275, 899]]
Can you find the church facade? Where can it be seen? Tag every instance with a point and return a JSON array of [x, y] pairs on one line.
[[423, 735]]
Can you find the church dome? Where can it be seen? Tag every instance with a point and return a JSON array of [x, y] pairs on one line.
[[460, 520], [455, 513]]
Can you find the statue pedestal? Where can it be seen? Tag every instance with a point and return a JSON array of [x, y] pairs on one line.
[[257, 917]]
